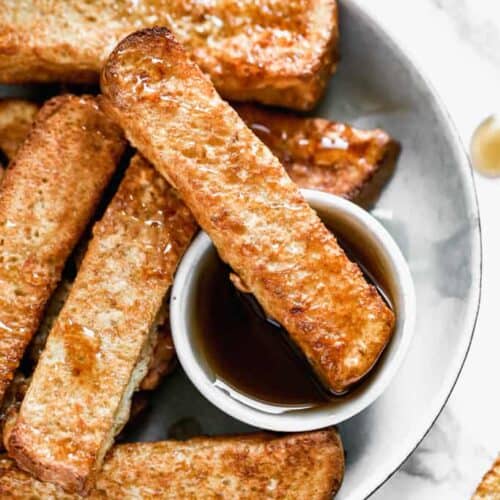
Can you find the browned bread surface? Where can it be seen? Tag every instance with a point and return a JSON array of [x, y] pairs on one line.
[[98, 349], [241, 196], [274, 51], [47, 197], [297, 466], [489, 488], [321, 154], [161, 363], [16, 118]]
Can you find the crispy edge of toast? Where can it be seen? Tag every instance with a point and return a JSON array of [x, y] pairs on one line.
[[318, 455]]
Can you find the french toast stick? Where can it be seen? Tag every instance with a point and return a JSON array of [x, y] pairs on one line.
[[47, 198], [308, 465], [98, 349], [489, 488], [278, 52], [324, 155], [16, 118], [242, 197]]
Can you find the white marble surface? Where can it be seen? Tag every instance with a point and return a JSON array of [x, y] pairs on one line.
[[456, 43]]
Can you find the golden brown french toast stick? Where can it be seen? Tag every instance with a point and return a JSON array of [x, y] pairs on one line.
[[98, 350], [47, 198], [308, 465], [278, 52], [16, 118], [242, 197], [321, 154]]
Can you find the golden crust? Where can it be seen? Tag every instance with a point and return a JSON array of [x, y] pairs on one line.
[[489, 488], [241, 196], [321, 154], [163, 358], [276, 52], [16, 118], [307, 465], [47, 198], [96, 353]]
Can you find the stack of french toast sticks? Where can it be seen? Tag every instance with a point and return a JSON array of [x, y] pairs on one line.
[[91, 233]]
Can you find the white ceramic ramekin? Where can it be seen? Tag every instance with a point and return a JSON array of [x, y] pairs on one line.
[[351, 223]]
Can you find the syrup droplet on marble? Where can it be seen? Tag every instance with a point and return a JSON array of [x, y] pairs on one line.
[[485, 147]]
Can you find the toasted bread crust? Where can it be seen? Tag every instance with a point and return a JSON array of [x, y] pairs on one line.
[[321, 154], [241, 196], [69, 155], [307, 465], [275, 52], [96, 352], [16, 118], [489, 488]]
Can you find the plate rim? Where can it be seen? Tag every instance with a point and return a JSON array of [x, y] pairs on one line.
[[464, 168]]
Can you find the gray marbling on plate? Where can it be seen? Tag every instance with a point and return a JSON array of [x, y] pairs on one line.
[[430, 209]]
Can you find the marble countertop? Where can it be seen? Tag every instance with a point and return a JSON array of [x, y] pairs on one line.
[[456, 43]]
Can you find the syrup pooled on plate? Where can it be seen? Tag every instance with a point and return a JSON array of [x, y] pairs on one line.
[[485, 147], [251, 356]]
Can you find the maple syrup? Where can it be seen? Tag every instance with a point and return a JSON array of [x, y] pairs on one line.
[[251, 356], [485, 147]]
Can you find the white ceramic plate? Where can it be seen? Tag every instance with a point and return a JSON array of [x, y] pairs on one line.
[[430, 209]]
